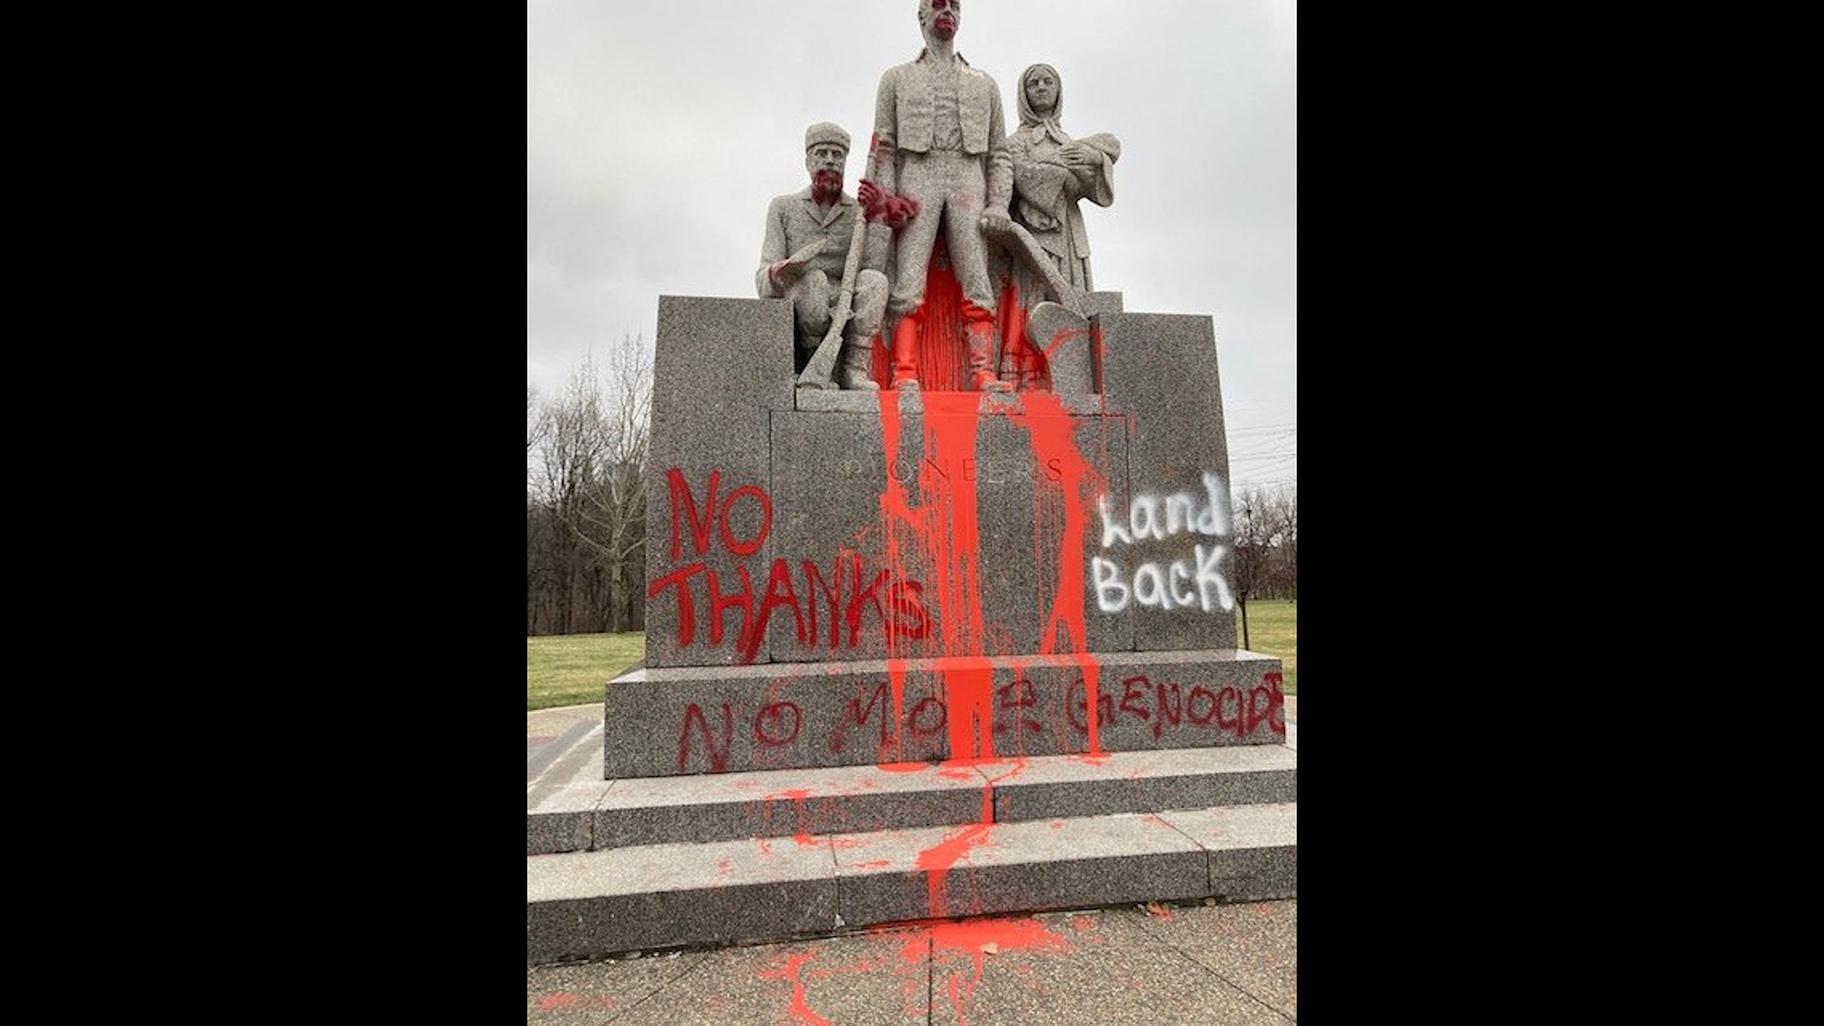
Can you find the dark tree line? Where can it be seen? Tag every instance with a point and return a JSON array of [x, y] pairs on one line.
[[586, 453], [1265, 564]]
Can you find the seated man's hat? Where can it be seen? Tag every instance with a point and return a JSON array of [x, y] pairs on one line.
[[825, 132]]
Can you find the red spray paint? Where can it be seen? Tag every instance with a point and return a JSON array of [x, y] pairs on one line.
[[1043, 416], [801, 1009], [937, 860]]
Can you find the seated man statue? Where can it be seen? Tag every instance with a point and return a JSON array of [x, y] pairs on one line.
[[806, 249]]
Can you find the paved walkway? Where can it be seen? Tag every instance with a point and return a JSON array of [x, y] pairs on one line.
[[1208, 964]]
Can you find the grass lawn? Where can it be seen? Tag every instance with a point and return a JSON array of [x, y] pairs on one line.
[[570, 669], [1273, 630]]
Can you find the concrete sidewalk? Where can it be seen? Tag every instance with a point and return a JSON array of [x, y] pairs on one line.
[[1221, 964], [1217, 964]]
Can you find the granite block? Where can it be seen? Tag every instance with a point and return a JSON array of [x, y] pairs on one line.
[[720, 367], [564, 819], [848, 563], [560, 806], [686, 720], [1144, 701], [988, 868], [585, 904], [804, 802], [1050, 787], [819, 400], [1253, 848], [1160, 370]]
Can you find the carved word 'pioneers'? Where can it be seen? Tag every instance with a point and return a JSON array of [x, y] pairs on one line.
[[1194, 583]]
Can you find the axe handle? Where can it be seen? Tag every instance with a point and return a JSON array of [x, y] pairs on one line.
[[1064, 292]]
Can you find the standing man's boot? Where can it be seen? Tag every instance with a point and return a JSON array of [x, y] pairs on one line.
[[981, 339], [905, 353]]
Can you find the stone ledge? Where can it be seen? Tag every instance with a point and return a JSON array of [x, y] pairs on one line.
[[783, 803], [831, 400], [1180, 778], [586, 904], [598, 903], [680, 721]]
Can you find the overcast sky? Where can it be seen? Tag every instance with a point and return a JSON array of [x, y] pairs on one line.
[[657, 132]]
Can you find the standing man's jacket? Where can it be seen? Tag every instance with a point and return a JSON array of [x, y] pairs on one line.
[[905, 113]]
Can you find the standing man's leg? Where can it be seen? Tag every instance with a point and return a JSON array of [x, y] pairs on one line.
[[911, 255], [969, 257]]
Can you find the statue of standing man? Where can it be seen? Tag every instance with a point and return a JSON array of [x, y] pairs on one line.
[[940, 143]]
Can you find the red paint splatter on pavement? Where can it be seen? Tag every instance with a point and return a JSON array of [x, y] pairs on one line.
[[801, 1009], [551, 1002], [874, 864], [1082, 924], [973, 940]]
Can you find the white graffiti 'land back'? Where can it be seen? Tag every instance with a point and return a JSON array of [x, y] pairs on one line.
[[1181, 515], [1160, 588]]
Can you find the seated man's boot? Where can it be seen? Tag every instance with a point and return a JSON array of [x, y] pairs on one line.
[[981, 340], [858, 365]]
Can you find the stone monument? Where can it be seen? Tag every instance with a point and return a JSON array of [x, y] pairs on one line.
[[969, 651]]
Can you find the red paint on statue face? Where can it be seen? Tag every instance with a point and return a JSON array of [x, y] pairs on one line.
[[944, 22]]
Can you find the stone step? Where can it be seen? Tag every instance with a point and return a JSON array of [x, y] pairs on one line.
[[586, 904], [588, 813], [718, 719]]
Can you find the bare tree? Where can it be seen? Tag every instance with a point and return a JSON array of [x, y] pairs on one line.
[[612, 516], [591, 460], [1285, 531], [536, 422], [1253, 553]]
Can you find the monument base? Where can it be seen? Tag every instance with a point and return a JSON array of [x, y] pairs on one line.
[[664, 862], [775, 716]]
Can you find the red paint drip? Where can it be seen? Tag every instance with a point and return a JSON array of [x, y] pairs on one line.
[[937, 860], [1043, 416], [968, 694], [801, 1009], [874, 864], [896, 679]]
